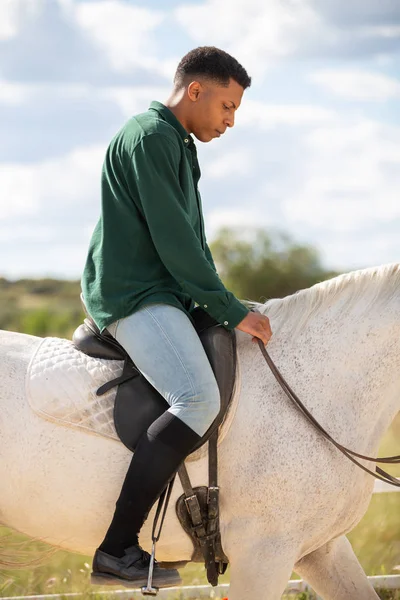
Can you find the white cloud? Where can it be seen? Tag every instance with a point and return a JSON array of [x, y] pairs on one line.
[[255, 31], [62, 258], [235, 217], [8, 20], [132, 100], [384, 13], [46, 213], [17, 196], [13, 93], [268, 116], [63, 184], [17, 93], [343, 252], [351, 178], [236, 163], [11, 12], [357, 85], [260, 33], [67, 40], [122, 30], [334, 184], [384, 31], [28, 234]]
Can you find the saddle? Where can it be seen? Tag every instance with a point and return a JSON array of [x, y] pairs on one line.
[[138, 404]]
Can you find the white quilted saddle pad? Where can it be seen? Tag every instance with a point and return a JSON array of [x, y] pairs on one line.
[[61, 386]]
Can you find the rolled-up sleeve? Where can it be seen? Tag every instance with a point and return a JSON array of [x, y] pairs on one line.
[[154, 179]]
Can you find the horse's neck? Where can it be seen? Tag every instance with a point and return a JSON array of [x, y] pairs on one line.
[[345, 369]]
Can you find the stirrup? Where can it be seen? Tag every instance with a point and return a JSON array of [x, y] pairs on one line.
[[163, 502], [149, 590]]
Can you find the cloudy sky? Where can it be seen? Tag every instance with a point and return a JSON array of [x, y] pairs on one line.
[[316, 146]]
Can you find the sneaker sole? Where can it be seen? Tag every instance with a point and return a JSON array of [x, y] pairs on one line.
[[109, 579]]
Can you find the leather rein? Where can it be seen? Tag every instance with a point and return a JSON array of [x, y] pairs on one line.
[[382, 475]]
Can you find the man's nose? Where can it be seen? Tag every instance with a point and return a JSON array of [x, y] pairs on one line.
[[230, 121]]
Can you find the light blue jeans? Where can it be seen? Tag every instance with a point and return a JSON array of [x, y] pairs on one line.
[[165, 347]]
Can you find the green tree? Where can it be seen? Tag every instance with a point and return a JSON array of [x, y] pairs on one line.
[[256, 264]]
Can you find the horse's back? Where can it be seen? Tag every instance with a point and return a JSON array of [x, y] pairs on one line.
[[16, 350], [18, 343]]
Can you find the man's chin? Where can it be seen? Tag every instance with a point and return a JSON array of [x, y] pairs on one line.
[[204, 137]]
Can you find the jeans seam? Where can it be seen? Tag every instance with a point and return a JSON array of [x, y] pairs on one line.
[[114, 335], [174, 349], [116, 328], [183, 411]]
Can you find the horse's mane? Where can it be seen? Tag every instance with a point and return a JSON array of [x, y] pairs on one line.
[[373, 285]]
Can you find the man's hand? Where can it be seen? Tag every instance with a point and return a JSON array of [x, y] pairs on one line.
[[256, 325]]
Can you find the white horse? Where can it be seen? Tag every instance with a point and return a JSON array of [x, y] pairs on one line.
[[288, 497]]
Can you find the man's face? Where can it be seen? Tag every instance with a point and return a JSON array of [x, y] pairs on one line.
[[213, 108]]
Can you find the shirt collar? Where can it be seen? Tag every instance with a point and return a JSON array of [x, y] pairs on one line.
[[166, 114]]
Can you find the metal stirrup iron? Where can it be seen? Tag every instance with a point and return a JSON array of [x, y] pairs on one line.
[[163, 502]]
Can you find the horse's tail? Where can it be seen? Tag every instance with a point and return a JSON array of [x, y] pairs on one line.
[[15, 554]]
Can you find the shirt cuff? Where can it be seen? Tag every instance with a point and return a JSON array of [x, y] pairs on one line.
[[233, 315]]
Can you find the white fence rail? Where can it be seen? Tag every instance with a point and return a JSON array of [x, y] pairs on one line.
[[381, 487], [389, 582]]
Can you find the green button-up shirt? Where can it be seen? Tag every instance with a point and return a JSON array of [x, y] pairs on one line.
[[149, 244]]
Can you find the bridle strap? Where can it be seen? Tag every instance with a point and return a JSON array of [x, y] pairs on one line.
[[382, 475]]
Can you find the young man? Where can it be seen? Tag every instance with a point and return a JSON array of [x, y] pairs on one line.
[[148, 263]]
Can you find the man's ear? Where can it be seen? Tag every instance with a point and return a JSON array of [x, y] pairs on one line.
[[194, 90]]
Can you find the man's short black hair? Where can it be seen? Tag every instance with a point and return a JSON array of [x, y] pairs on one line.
[[211, 63]]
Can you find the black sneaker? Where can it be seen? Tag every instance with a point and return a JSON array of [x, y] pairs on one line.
[[131, 570]]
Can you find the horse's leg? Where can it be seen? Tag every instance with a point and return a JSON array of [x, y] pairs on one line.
[[334, 572], [260, 568]]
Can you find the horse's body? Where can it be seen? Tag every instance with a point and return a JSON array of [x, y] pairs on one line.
[[288, 497]]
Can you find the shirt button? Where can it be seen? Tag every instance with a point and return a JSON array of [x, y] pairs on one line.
[[205, 306], [186, 141], [226, 323]]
